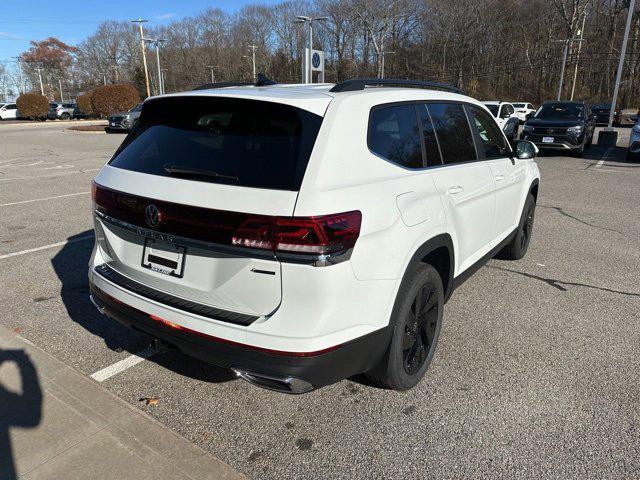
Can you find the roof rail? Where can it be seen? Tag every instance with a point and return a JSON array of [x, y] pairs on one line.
[[360, 83], [208, 86], [262, 81]]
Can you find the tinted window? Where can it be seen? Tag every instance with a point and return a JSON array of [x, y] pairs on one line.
[[509, 109], [394, 135], [492, 141], [232, 141], [10, 106], [493, 109], [429, 135], [519, 105], [452, 130], [137, 108]]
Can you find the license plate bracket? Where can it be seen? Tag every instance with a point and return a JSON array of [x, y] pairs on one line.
[[163, 257]]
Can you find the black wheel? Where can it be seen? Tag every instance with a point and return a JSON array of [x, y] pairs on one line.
[[417, 318], [65, 116], [519, 245]]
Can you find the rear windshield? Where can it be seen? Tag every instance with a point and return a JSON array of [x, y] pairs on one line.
[[240, 142]]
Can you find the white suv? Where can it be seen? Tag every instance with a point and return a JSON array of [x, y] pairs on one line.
[[301, 234]]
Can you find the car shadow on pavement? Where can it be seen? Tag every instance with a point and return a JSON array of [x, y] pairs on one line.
[[19, 410], [70, 265]]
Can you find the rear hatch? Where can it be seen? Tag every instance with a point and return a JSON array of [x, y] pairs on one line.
[[186, 204]]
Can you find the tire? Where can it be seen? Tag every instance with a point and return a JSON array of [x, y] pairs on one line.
[[65, 116], [415, 337], [519, 245]]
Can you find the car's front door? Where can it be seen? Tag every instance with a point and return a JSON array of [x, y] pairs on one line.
[[508, 174], [464, 183]]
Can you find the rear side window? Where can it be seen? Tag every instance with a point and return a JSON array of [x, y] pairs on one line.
[[394, 135], [240, 142], [492, 141], [452, 130]]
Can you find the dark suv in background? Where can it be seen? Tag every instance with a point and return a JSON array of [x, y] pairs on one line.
[[564, 126], [601, 111]]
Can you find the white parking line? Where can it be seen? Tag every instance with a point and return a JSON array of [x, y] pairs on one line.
[[43, 199], [45, 247], [604, 158], [122, 365]]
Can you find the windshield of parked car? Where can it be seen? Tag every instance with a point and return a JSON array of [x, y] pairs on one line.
[[519, 105], [222, 140], [493, 109], [560, 111], [137, 108]]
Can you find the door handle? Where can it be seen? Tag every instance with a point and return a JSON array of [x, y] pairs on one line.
[[454, 190], [499, 178]]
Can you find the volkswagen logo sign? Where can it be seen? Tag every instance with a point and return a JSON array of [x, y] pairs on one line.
[[315, 60], [549, 130], [153, 216]]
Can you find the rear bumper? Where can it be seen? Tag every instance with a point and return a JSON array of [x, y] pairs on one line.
[[312, 369]]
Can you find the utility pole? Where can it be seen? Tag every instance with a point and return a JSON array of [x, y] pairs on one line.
[[575, 68], [213, 77], [39, 69], [383, 53], [60, 85], [564, 62], [623, 50], [21, 84], [307, 76], [140, 21], [253, 59], [104, 79]]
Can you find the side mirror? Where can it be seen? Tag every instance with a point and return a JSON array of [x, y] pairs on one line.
[[525, 150]]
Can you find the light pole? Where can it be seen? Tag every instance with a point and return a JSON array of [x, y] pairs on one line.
[[156, 42], [60, 85], [308, 73], [253, 59], [623, 50], [213, 77], [140, 21], [39, 69], [575, 68]]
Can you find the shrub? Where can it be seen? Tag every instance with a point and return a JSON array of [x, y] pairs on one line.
[[114, 98], [85, 103], [33, 106]]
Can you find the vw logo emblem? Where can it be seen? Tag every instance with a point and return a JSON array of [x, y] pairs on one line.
[[549, 130], [153, 216], [315, 60]]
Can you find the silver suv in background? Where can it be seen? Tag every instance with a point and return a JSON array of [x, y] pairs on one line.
[[63, 111], [124, 121]]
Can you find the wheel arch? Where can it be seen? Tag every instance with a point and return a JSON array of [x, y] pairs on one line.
[[439, 253], [533, 189]]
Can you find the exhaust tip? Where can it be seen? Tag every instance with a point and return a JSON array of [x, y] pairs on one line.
[[289, 384]]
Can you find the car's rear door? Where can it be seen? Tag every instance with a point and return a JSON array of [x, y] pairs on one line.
[[464, 182], [508, 174], [180, 207]]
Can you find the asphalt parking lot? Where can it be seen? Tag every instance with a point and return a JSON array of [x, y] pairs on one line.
[[535, 376]]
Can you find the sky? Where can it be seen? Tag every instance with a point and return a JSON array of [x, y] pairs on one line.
[[73, 20]]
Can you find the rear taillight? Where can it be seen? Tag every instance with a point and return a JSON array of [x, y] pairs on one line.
[[307, 235], [322, 235]]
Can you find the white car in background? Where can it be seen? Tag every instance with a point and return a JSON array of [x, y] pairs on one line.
[[504, 114], [522, 110], [8, 111]]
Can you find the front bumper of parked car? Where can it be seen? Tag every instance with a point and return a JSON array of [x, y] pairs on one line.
[[560, 142], [121, 123]]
